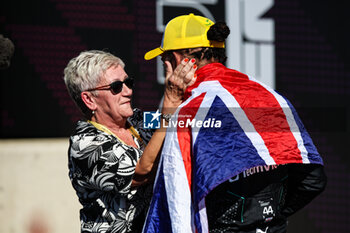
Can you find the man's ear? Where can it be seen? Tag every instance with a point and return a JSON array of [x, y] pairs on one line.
[[178, 57], [89, 100]]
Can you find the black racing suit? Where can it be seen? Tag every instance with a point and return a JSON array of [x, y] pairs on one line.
[[260, 199]]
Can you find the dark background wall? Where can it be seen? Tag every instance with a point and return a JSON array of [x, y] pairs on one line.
[[312, 59]]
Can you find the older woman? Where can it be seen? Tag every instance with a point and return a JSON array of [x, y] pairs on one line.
[[111, 157]]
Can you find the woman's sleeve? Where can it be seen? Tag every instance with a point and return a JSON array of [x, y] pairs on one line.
[[105, 165]]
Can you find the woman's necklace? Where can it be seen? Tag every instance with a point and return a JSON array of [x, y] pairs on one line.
[[106, 130]]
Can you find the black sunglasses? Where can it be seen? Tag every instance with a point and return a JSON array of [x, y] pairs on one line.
[[116, 86]]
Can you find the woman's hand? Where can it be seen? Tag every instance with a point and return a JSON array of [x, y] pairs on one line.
[[176, 81]]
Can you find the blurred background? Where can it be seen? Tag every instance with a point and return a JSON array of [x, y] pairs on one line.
[[299, 47]]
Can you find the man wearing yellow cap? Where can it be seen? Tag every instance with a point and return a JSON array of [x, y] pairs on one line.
[[238, 158]]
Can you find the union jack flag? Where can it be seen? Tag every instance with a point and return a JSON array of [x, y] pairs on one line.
[[257, 126]]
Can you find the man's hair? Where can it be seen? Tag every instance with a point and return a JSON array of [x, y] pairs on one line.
[[85, 71], [217, 32]]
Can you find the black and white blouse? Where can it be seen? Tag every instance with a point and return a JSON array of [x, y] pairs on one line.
[[101, 168]]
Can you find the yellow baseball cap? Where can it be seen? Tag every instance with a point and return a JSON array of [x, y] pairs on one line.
[[185, 31]]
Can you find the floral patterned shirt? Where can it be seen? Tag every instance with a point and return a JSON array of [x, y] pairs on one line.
[[101, 169]]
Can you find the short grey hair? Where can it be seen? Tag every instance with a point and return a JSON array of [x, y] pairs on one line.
[[85, 71]]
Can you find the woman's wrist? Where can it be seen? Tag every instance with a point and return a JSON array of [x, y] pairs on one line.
[[170, 104]]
